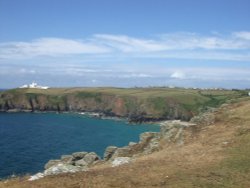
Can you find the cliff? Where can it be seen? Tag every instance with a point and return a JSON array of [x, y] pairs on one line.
[[136, 104], [212, 150]]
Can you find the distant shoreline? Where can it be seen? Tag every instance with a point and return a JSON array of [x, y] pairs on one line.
[[137, 105], [88, 114]]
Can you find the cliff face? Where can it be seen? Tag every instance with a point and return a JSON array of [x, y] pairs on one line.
[[134, 108], [136, 104]]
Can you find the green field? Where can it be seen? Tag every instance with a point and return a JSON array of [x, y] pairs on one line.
[[154, 103]]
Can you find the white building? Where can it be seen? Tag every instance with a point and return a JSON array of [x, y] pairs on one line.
[[34, 85]]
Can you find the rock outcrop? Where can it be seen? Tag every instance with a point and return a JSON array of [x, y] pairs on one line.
[[36, 176], [79, 155], [79, 161], [51, 163], [110, 150], [120, 161], [207, 118], [62, 168], [171, 132]]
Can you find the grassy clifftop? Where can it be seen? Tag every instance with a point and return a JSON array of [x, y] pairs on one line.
[[138, 104]]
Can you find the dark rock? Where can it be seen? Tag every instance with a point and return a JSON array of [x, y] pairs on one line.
[[135, 118], [79, 155]]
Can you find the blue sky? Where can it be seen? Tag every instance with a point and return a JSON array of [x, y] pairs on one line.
[[189, 43]]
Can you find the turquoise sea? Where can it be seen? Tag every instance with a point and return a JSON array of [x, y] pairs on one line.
[[29, 140]]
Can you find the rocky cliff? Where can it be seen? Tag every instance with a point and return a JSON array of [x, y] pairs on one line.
[[137, 105]]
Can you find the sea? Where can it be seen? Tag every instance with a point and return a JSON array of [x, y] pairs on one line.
[[29, 140]]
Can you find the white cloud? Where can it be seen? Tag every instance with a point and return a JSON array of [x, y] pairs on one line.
[[133, 75], [210, 73], [27, 71], [178, 75], [130, 44], [155, 75], [191, 41], [235, 46], [173, 41], [48, 47], [200, 55], [243, 35]]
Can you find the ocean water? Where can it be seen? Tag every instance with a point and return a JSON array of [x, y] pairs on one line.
[[29, 140]]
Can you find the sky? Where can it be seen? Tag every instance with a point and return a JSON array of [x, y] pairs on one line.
[[132, 43]]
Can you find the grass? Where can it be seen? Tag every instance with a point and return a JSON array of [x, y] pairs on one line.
[[159, 103], [234, 170], [130, 103], [88, 94], [239, 160], [215, 156], [149, 102], [180, 94]]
